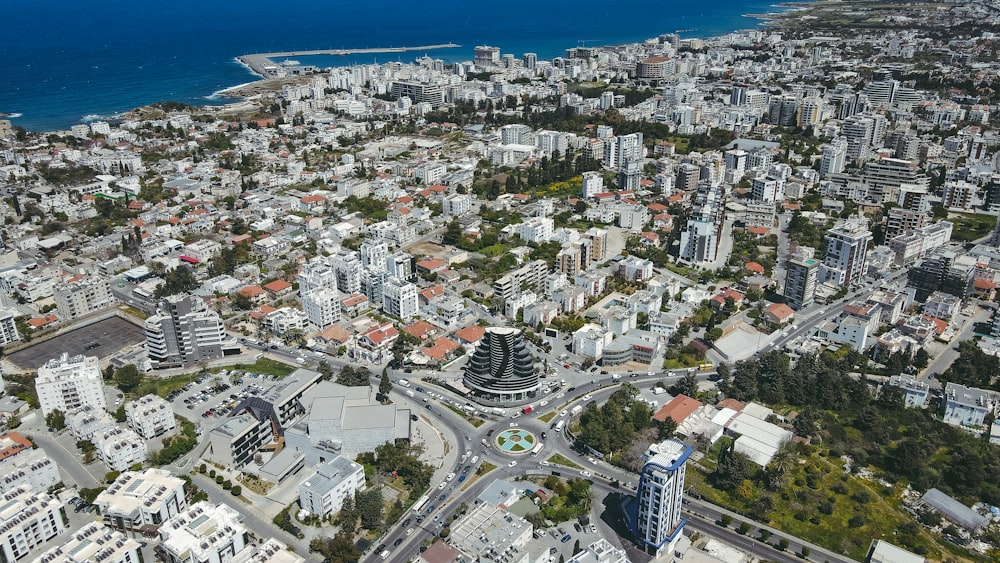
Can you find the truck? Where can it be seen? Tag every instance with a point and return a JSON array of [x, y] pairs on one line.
[[576, 410], [538, 448], [616, 377], [404, 383], [659, 390], [499, 412]]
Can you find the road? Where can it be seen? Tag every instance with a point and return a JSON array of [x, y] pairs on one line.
[[68, 462], [944, 360]]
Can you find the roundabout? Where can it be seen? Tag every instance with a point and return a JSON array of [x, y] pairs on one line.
[[515, 441]]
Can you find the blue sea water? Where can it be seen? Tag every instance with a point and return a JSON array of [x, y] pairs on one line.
[[63, 61]]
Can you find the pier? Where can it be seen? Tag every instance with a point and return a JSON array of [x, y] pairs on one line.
[[262, 64]]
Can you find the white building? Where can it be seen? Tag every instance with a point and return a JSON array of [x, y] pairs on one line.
[[490, 529], [94, 542], [846, 249], [601, 551], [28, 519], [32, 467], [186, 331], [456, 205], [80, 295], [324, 491], [593, 184], [591, 339], [965, 406], [8, 330], [321, 306], [120, 448], [86, 421], [271, 551], [536, 229], [69, 383], [400, 298], [654, 516], [204, 533], [139, 503], [150, 416]]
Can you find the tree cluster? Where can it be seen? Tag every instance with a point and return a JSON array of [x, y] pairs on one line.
[[612, 426], [402, 460]]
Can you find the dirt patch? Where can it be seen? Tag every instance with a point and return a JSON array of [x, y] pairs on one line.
[[430, 249]]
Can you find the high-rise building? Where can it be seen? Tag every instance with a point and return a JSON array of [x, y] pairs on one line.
[[322, 306], [654, 515], [348, 268], [501, 370], [700, 238], [185, 331], [373, 254], [399, 298], [593, 184], [486, 56], [8, 330], [834, 157], [530, 60], [70, 383], [846, 249], [801, 276], [150, 416]]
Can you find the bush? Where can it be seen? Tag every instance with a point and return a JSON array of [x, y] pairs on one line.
[[856, 521], [227, 484], [211, 474], [236, 491], [110, 476], [202, 468], [219, 479]]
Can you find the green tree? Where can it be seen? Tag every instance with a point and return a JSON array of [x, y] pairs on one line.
[[385, 385], [55, 420], [128, 377], [370, 506], [13, 422]]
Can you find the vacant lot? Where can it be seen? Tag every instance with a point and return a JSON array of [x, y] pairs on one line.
[[100, 339]]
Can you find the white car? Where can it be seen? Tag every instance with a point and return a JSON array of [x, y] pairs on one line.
[[512, 464], [586, 473], [588, 397], [513, 424], [564, 413], [441, 486], [543, 463], [543, 403]]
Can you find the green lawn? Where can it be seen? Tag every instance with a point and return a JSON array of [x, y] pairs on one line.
[[563, 460], [971, 226], [547, 416]]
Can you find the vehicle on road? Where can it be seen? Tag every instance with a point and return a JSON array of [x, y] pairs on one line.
[[461, 478], [512, 464], [566, 538], [586, 473]]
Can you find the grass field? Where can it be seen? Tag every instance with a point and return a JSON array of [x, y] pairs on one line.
[[971, 226], [563, 460], [547, 416]]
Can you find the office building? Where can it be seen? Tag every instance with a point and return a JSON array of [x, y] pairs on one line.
[[69, 383], [801, 276], [185, 331], [323, 492], [204, 533], [490, 533], [501, 369], [93, 543], [28, 519], [846, 250], [138, 503], [150, 416], [654, 515]]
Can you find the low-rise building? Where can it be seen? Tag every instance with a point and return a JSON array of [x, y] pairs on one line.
[[33, 467], [965, 406], [271, 551], [915, 392], [85, 422], [120, 448], [138, 503], [28, 519], [490, 530], [150, 416], [94, 542], [323, 492], [204, 533]]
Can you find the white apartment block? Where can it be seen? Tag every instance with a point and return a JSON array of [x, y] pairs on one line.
[[28, 519], [8, 330], [87, 421], [456, 205], [70, 383], [399, 298], [324, 491], [536, 229], [94, 542], [204, 533], [286, 319], [593, 184], [120, 448], [150, 416], [322, 306], [139, 503], [271, 551], [430, 173], [80, 295], [202, 250], [33, 468]]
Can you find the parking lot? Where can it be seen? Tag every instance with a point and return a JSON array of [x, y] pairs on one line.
[[210, 398], [101, 339]]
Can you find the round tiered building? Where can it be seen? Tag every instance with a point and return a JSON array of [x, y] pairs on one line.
[[501, 371]]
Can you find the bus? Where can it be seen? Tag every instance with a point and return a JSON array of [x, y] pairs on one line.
[[538, 447], [421, 503], [706, 367], [559, 425]]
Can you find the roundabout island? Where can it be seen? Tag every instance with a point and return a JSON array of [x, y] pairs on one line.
[[515, 441]]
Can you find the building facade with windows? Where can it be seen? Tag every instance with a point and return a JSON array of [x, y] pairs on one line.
[[654, 515], [69, 383]]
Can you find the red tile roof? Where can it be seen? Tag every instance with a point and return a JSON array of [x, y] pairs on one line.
[[679, 408], [277, 285]]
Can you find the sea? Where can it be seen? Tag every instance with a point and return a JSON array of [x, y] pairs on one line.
[[66, 62]]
